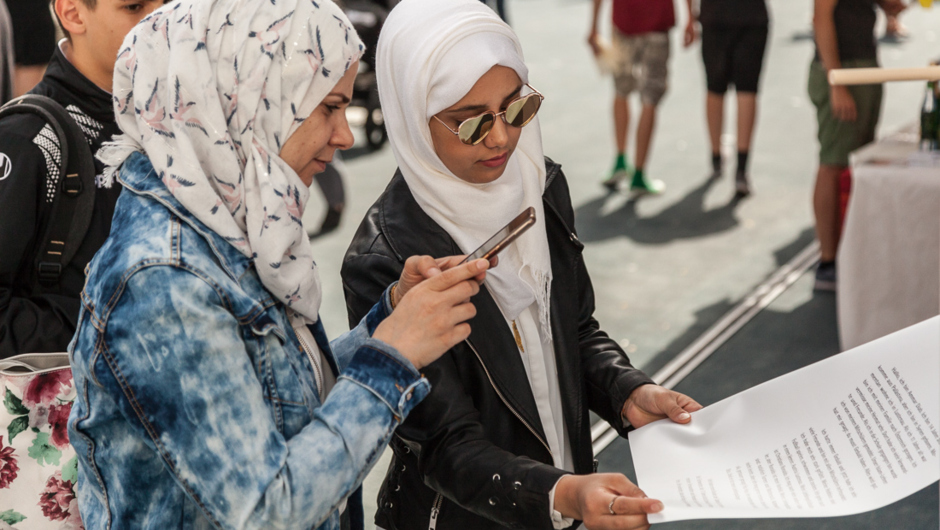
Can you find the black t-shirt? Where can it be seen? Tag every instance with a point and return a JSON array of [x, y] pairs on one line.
[[733, 13], [33, 31], [855, 30], [33, 319]]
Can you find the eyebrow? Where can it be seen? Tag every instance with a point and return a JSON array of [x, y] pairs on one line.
[[482, 107]]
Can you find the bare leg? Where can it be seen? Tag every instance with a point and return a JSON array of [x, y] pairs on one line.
[[747, 116], [714, 112], [644, 137], [894, 28], [621, 122], [826, 208], [644, 134], [26, 77], [621, 167]]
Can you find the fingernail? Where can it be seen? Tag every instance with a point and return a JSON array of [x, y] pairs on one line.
[[434, 271], [482, 264], [656, 507], [684, 416]]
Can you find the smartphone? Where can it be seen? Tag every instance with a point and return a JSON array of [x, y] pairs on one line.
[[505, 236]]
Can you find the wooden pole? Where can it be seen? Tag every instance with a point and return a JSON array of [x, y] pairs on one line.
[[867, 76]]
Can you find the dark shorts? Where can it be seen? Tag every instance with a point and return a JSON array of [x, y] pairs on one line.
[[33, 31], [733, 55], [838, 138]]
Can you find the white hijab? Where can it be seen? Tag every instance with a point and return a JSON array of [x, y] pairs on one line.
[[210, 90], [430, 54]]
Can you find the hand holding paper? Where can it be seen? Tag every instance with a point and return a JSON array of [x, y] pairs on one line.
[[604, 501], [650, 403]]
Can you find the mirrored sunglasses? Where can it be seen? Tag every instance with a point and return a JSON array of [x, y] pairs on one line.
[[518, 113]]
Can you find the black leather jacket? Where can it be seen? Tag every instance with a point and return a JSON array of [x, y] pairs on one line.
[[473, 453]]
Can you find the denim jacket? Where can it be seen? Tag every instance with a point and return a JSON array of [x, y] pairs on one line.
[[197, 406]]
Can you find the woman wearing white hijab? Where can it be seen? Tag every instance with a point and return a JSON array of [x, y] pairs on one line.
[[207, 392], [503, 439]]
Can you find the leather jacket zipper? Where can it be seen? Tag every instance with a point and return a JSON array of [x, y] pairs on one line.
[[505, 402], [571, 235], [435, 511], [316, 366]]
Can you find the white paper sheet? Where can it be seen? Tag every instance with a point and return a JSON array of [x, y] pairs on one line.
[[846, 435]]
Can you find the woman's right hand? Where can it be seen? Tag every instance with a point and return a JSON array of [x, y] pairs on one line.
[[604, 501], [420, 268], [431, 317]]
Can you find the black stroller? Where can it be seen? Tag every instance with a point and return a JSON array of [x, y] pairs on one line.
[[368, 17]]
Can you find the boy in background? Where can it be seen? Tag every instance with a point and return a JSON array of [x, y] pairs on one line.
[[640, 38], [36, 317], [734, 36]]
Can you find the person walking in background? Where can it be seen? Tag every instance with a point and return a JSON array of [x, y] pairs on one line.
[[330, 182], [894, 30], [6, 54], [846, 115], [38, 317], [640, 39], [734, 35], [33, 41]]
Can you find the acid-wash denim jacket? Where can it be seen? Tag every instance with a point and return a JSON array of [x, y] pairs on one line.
[[196, 405]]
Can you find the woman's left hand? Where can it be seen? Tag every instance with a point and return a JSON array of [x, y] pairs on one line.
[[649, 403], [420, 268]]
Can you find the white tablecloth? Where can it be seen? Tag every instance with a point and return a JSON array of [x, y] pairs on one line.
[[889, 258]]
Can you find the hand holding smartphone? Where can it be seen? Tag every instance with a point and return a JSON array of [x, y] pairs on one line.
[[504, 236], [415, 270]]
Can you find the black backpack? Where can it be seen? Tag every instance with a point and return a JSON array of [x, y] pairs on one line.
[[74, 202]]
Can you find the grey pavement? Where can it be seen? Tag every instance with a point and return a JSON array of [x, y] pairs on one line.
[[664, 268]]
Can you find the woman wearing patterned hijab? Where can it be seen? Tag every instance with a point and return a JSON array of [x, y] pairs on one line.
[[503, 439], [207, 392]]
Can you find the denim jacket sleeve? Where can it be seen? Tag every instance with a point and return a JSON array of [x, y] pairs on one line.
[[179, 365], [345, 346]]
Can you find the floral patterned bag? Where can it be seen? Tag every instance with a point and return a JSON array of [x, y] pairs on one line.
[[38, 467]]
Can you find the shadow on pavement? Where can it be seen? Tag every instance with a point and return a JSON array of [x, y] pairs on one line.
[[773, 344], [686, 219], [787, 252], [707, 316]]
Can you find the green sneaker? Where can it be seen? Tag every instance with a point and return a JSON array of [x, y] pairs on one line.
[[621, 171], [616, 177], [641, 185]]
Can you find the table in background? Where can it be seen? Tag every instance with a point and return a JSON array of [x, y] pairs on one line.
[[889, 256]]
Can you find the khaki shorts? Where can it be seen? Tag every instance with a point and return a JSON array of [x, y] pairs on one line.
[[641, 65], [838, 138]]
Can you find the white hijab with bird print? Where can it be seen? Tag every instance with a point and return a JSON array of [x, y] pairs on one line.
[[210, 90]]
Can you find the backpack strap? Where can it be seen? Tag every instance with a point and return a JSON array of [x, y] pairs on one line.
[[74, 202]]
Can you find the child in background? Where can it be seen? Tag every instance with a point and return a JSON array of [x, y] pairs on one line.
[[641, 41]]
